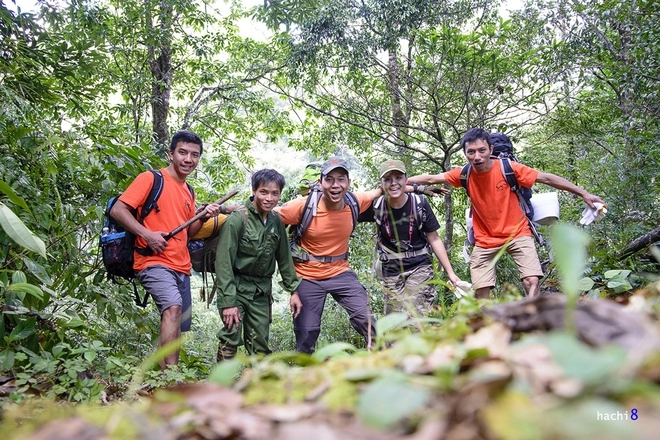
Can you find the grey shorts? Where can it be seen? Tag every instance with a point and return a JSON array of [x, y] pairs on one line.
[[168, 288]]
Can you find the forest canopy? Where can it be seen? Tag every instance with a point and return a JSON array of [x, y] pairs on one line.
[[93, 90]]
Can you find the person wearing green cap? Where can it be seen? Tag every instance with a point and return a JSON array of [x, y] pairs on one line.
[[407, 231]]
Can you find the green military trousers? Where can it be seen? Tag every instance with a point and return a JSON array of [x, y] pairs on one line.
[[253, 329]]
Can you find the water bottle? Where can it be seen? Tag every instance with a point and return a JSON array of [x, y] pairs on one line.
[[105, 231]]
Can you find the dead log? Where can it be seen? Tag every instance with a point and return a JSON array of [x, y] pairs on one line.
[[598, 322], [640, 243]]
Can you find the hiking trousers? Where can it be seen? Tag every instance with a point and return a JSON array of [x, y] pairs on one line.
[[348, 292], [254, 326], [410, 291]]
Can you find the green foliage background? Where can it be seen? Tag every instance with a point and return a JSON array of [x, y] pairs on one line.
[[574, 83]]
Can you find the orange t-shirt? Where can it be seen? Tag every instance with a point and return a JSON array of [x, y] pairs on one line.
[[496, 213], [327, 235], [175, 207]]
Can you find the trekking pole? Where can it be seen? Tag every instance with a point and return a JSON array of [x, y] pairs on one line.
[[220, 201]]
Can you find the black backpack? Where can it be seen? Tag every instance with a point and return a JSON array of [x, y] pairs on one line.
[[117, 245], [309, 211], [503, 150]]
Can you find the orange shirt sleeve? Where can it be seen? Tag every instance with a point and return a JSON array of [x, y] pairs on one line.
[[453, 177]]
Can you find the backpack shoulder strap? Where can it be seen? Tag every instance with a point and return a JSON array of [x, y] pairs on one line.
[[379, 210], [509, 175], [151, 202], [465, 175], [309, 211], [418, 210], [352, 201]]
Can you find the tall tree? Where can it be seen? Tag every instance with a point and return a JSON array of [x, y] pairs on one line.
[[608, 117], [408, 78]]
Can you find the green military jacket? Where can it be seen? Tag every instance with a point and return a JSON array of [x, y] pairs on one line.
[[246, 256]]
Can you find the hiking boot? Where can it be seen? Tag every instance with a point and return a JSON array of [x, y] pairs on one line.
[[225, 352]]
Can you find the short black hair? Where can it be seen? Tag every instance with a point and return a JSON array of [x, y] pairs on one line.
[[186, 136], [475, 134], [265, 176]]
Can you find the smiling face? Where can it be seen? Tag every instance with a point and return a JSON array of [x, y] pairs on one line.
[[184, 158], [478, 154], [266, 197], [394, 184], [335, 185]]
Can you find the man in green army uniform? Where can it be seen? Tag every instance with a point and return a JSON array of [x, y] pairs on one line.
[[252, 239]]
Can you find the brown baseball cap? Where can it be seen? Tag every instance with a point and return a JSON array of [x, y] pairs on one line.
[[333, 163], [392, 165]]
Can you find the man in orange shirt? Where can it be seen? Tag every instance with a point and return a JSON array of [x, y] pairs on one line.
[[326, 239], [162, 266], [498, 219]]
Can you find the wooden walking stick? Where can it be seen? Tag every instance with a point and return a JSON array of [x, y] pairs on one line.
[[220, 201]]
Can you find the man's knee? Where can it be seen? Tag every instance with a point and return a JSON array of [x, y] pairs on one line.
[[172, 313], [531, 285]]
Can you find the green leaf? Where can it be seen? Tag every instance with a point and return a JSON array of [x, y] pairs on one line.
[[655, 251], [619, 284], [579, 361], [594, 294], [390, 322], [569, 247], [585, 284], [18, 232], [7, 359], [387, 401], [13, 196], [333, 350], [362, 374], [226, 372], [38, 271], [162, 352], [18, 277], [71, 323], [27, 288], [89, 355], [22, 330], [615, 273]]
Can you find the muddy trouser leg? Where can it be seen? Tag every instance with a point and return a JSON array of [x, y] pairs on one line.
[[307, 326], [346, 289]]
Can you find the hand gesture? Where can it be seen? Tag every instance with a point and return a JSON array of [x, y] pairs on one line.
[[295, 304], [230, 316]]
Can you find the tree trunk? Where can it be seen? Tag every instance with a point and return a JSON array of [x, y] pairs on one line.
[[398, 117], [161, 71]]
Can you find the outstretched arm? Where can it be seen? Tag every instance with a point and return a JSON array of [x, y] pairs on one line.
[[428, 179], [440, 252], [375, 193], [560, 183]]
